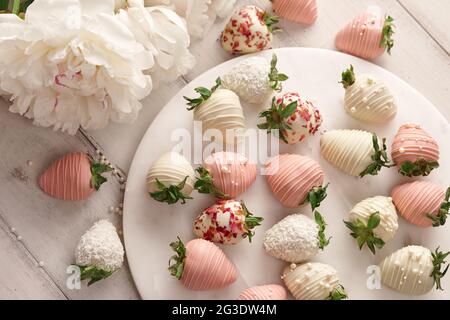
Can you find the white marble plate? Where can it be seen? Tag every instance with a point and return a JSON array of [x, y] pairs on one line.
[[149, 226]]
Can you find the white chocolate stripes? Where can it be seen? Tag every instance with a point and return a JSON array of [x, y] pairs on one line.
[[408, 270], [347, 150]]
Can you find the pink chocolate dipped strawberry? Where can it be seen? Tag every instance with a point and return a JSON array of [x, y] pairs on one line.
[[296, 180], [299, 11], [250, 29], [225, 175], [265, 292], [201, 265], [73, 177], [414, 151], [368, 35], [226, 222], [422, 203], [292, 117]]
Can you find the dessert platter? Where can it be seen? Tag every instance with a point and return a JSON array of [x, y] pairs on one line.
[[338, 187]]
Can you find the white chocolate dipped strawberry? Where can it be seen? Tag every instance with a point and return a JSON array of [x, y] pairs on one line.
[[254, 80], [299, 11], [201, 265], [296, 180], [226, 222], [368, 36], [367, 98], [250, 29], [296, 238], [293, 118], [422, 203], [414, 151], [218, 109], [413, 270], [225, 175], [171, 179], [355, 152], [373, 222], [265, 292], [313, 281]]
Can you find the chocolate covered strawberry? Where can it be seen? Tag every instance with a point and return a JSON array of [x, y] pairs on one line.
[[75, 176], [225, 175], [422, 203], [355, 152], [293, 118], [201, 265], [250, 29], [226, 222], [265, 292], [368, 35], [296, 180], [414, 151], [300, 11]]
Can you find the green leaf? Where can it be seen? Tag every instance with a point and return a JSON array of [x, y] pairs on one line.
[[316, 195], [170, 194], [275, 78], [379, 157], [363, 233], [420, 167], [4, 5], [205, 184], [250, 222], [323, 241], [205, 94], [97, 170], [24, 5], [271, 22], [439, 260], [94, 274], [387, 33], [176, 268], [338, 293], [289, 110], [348, 77], [440, 218], [16, 7]]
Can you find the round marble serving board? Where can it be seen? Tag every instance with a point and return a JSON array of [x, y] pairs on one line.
[[150, 226]]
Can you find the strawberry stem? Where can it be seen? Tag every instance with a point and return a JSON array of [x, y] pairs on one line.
[[364, 234], [205, 184], [316, 195], [271, 22], [96, 170], [323, 241], [338, 293], [205, 94], [440, 218], [94, 274], [420, 167], [250, 221], [348, 77], [438, 261], [275, 78], [176, 268], [387, 33], [379, 157], [275, 117], [170, 194]]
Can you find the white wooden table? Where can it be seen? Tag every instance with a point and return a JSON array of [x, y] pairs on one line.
[[36, 228]]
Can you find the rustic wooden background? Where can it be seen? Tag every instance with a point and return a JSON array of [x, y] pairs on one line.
[[35, 228]]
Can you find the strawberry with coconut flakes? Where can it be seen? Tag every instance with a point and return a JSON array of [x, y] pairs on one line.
[[293, 118], [225, 175], [250, 29], [414, 151], [226, 222], [201, 265], [75, 176]]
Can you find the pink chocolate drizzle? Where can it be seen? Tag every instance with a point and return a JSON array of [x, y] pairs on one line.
[[300, 11], [266, 292]]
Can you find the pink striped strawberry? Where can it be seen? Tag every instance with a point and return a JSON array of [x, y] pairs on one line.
[[201, 265], [368, 35], [225, 175], [73, 177], [414, 151], [300, 11], [265, 292], [249, 30], [226, 222]]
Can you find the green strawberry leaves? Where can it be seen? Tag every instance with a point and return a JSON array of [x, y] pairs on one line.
[[348, 77], [364, 233], [338, 293], [387, 33], [438, 260], [250, 222], [271, 22], [176, 268], [420, 167], [205, 184], [94, 274], [275, 78], [379, 157], [323, 241], [316, 195], [96, 170], [275, 117], [205, 94], [441, 217], [170, 194]]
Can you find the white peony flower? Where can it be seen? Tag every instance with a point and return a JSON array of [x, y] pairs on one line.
[[163, 33], [72, 63], [199, 14]]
